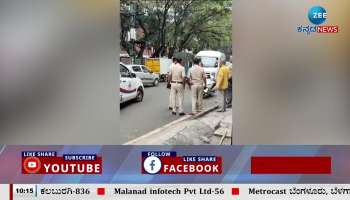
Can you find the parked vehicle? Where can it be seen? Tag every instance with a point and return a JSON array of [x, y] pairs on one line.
[[209, 89], [159, 66], [146, 76], [164, 68], [131, 87], [210, 61], [153, 64]]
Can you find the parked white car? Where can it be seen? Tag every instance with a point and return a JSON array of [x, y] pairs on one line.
[[131, 87], [147, 77]]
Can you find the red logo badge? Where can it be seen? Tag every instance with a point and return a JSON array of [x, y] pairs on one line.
[[32, 165]]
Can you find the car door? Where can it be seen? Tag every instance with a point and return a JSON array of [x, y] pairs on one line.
[[147, 74], [127, 85]]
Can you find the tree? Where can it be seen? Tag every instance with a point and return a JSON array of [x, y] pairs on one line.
[[209, 23], [171, 26], [157, 22], [125, 26]]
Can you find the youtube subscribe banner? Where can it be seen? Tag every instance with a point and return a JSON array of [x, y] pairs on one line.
[[174, 164]]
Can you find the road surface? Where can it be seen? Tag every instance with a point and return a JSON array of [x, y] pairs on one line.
[[137, 119]]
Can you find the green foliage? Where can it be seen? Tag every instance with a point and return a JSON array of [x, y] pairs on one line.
[[171, 26]]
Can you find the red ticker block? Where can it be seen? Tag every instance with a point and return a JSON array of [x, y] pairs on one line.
[[101, 191], [291, 165], [235, 191]]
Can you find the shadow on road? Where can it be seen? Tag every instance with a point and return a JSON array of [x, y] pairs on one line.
[[131, 102], [128, 103]]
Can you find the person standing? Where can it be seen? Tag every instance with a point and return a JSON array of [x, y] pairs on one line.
[[222, 85], [198, 83], [177, 78], [229, 88], [169, 83]]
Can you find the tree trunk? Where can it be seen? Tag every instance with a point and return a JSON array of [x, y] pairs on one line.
[[171, 52], [142, 49], [157, 52]]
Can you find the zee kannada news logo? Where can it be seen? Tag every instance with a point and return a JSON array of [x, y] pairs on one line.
[[317, 15], [47, 162]]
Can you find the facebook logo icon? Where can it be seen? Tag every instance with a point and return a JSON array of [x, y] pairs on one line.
[[152, 165]]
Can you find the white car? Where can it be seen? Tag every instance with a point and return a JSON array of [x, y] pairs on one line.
[[147, 77], [131, 87]]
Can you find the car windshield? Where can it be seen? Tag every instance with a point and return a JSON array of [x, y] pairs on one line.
[[209, 61], [124, 72]]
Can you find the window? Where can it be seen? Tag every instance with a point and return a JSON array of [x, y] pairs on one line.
[[209, 61], [136, 68], [145, 69], [124, 72]]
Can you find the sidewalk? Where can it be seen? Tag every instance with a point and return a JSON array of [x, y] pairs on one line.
[[208, 127]]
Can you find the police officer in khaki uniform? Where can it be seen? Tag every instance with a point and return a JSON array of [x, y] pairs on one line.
[[177, 78], [170, 96], [198, 83]]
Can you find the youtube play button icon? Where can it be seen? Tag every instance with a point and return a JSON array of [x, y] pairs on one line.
[[32, 165]]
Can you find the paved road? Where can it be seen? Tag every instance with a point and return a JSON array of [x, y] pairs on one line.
[[137, 119]]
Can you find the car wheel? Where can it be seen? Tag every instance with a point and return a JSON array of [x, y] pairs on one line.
[[155, 82], [139, 96]]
